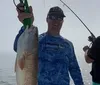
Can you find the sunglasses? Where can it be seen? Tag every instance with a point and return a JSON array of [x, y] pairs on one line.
[[55, 18]]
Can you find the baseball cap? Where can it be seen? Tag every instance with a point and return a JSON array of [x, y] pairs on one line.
[[56, 12]]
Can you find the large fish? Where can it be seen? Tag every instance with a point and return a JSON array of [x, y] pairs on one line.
[[26, 66]]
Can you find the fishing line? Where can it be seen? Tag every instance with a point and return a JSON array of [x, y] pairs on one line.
[[16, 6], [90, 38]]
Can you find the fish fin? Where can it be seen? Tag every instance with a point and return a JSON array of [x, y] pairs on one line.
[[21, 62], [15, 65]]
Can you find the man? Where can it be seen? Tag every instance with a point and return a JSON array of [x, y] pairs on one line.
[[92, 55], [56, 54]]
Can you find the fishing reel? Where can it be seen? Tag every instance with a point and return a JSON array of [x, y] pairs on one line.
[[27, 22], [91, 39]]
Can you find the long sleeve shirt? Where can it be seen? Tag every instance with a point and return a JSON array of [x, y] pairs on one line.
[[56, 61]]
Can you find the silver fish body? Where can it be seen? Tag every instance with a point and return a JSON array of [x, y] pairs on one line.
[[27, 57]]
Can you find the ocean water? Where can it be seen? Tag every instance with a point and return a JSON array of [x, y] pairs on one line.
[[7, 74]]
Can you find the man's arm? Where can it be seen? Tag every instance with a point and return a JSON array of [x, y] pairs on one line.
[[93, 53], [16, 39], [74, 69], [21, 16]]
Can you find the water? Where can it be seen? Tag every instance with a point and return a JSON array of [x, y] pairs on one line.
[[7, 74], [7, 77]]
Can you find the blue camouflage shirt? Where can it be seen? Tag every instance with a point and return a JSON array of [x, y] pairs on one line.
[[56, 60]]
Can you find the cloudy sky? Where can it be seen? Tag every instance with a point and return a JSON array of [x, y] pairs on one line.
[[73, 29]]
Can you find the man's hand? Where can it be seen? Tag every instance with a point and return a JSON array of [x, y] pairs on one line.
[[22, 15], [87, 58]]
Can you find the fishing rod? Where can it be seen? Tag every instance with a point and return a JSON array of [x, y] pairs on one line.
[[26, 22], [90, 38]]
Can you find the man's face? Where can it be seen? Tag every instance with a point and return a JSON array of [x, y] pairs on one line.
[[55, 23]]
